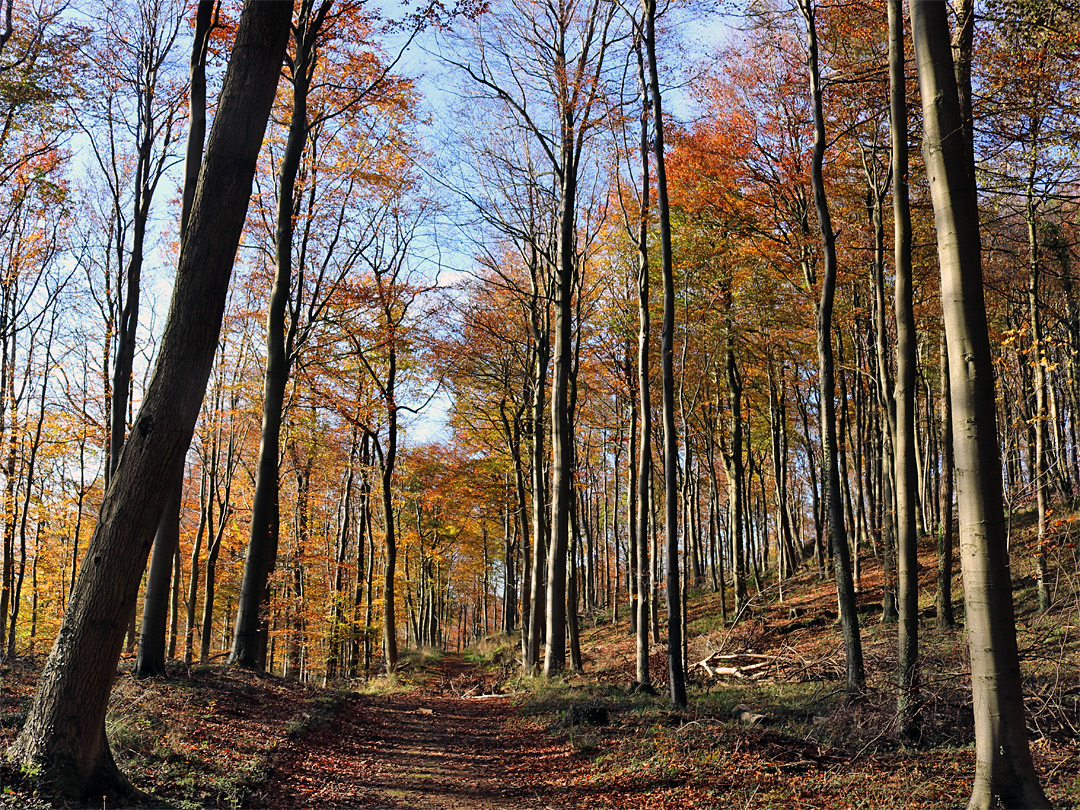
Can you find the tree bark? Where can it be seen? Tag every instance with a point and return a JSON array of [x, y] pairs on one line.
[[561, 426], [64, 735], [676, 668], [643, 579], [907, 547], [541, 347], [1003, 766], [845, 586], [151, 657], [249, 631], [945, 618]]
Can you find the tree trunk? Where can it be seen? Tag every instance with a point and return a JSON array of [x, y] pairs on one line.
[[1003, 767], [945, 617], [561, 426], [643, 583], [676, 669], [64, 735], [249, 631], [1040, 473], [907, 546], [845, 587], [151, 658], [538, 613], [388, 459]]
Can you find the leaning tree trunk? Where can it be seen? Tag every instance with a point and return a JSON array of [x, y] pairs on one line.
[[907, 547], [845, 586], [64, 734], [151, 658], [1003, 765]]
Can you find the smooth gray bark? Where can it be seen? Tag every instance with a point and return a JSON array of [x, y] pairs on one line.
[[907, 548], [642, 580], [1003, 765]]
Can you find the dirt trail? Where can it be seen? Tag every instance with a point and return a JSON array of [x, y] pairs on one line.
[[427, 749]]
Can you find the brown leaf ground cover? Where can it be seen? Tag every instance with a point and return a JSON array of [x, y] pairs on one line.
[[430, 747], [456, 732]]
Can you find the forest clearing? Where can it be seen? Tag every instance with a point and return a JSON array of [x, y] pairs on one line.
[[558, 403]]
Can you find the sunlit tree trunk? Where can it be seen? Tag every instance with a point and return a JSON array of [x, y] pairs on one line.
[[1003, 768], [906, 534], [642, 504], [541, 348], [561, 423], [1037, 359]]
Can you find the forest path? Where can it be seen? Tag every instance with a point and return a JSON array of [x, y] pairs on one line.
[[429, 748]]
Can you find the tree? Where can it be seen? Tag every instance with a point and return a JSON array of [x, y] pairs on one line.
[[151, 656], [904, 443], [394, 290], [826, 381], [310, 240], [1003, 765], [64, 734], [676, 665], [543, 62], [248, 648]]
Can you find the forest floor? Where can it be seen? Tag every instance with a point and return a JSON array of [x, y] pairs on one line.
[[462, 731]]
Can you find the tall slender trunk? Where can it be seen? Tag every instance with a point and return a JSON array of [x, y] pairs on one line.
[[1040, 473], [676, 668], [538, 613], [845, 586], [906, 480], [388, 459], [249, 633], [644, 455], [193, 580], [561, 425], [1003, 765]]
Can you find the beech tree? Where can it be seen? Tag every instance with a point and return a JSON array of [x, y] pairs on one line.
[[826, 381], [511, 50], [64, 734], [904, 444], [340, 94], [1003, 766]]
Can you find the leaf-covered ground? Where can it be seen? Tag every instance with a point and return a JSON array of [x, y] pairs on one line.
[[455, 732], [436, 746]]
